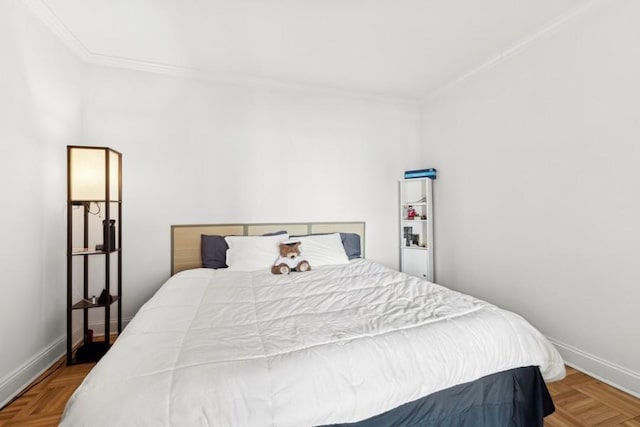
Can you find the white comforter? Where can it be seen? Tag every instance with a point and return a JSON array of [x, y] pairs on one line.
[[336, 344]]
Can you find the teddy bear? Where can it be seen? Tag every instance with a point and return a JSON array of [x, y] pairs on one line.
[[290, 259]]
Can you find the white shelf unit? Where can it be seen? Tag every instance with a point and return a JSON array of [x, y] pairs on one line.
[[416, 235]]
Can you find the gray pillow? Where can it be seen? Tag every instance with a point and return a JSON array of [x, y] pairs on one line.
[[351, 243], [214, 249]]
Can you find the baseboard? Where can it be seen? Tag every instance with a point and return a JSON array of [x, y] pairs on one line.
[[24, 375], [603, 370], [29, 371]]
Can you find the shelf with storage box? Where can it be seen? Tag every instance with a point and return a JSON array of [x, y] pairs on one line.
[[94, 250], [416, 227]]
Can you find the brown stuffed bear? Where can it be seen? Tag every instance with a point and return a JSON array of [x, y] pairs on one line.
[[290, 259]]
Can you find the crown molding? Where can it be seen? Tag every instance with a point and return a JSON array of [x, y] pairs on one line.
[[243, 80], [51, 20], [515, 49]]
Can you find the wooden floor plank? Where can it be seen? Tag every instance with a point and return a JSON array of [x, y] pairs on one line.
[[558, 388], [44, 421], [577, 379], [562, 418], [614, 398], [632, 423], [584, 401]]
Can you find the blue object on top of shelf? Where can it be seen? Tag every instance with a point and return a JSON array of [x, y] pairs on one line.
[[420, 173]]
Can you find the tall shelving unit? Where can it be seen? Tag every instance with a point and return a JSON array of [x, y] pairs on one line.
[[94, 247], [416, 227]]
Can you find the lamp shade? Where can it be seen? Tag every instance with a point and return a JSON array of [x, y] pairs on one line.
[[93, 173]]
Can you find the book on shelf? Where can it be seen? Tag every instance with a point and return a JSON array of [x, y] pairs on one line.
[[421, 173]]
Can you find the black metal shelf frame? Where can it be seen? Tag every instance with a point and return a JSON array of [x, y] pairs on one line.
[[108, 180]]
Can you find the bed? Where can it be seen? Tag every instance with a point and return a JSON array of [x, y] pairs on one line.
[[350, 342]]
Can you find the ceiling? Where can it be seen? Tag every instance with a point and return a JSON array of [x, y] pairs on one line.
[[396, 48]]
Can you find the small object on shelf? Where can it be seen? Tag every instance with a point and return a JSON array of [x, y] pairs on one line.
[[407, 236], [109, 235], [421, 173], [105, 298], [93, 301], [91, 351], [411, 213]]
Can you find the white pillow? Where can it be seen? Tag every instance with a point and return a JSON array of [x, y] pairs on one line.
[[322, 249], [249, 253]]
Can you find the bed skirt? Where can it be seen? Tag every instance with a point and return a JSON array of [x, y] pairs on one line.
[[517, 397]]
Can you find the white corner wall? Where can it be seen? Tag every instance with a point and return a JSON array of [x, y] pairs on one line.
[[537, 198], [39, 114], [198, 151], [195, 151]]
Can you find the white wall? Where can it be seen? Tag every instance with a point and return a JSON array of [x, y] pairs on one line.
[[537, 199], [196, 151], [39, 114]]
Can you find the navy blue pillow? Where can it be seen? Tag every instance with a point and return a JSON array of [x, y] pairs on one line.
[[351, 243], [214, 249]]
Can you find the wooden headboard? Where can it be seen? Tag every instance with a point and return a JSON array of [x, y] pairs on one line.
[[185, 239]]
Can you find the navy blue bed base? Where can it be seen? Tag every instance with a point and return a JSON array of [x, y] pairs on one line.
[[518, 397]]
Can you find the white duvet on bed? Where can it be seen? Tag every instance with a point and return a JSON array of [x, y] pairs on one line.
[[336, 344]]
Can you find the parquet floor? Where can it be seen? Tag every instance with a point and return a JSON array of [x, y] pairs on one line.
[[580, 401], [42, 405], [584, 401]]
